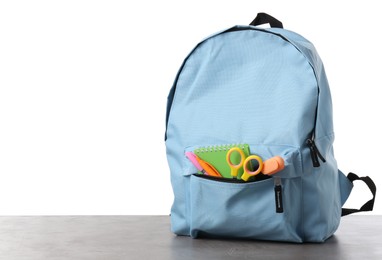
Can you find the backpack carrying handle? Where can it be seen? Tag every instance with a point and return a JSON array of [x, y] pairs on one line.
[[263, 18]]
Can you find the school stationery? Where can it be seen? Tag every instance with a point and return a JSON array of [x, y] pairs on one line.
[[244, 162], [253, 164], [273, 165], [208, 168], [193, 158], [216, 156]]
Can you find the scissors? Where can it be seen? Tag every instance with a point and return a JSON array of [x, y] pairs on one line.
[[246, 163]]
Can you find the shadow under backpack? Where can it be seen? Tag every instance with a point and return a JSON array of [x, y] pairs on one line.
[[267, 89]]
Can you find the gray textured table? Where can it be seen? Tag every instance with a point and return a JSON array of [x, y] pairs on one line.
[[149, 237]]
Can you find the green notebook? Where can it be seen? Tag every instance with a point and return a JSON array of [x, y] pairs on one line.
[[216, 156]]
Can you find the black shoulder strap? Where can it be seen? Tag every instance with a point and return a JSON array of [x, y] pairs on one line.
[[368, 206]]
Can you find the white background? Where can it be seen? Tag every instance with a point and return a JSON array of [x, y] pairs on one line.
[[83, 89]]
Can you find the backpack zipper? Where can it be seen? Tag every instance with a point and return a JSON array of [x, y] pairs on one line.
[[315, 153], [278, 195], [259, 177]]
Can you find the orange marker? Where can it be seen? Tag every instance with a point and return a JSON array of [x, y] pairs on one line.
[[210, 170], [273, 165]]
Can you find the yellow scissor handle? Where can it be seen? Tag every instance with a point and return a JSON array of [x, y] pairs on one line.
[[247, 172], [235, 167]]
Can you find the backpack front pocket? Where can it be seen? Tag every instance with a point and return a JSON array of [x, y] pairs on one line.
[[220, 207]]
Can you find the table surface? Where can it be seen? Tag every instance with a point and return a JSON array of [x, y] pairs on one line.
[[149, 237]]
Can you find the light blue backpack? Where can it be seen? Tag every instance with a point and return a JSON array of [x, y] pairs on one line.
[[266, 88]]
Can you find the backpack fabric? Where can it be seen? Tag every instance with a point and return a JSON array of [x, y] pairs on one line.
[[266, 88]]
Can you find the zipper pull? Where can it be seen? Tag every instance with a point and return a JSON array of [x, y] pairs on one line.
[[278, 195], [315, 153]]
